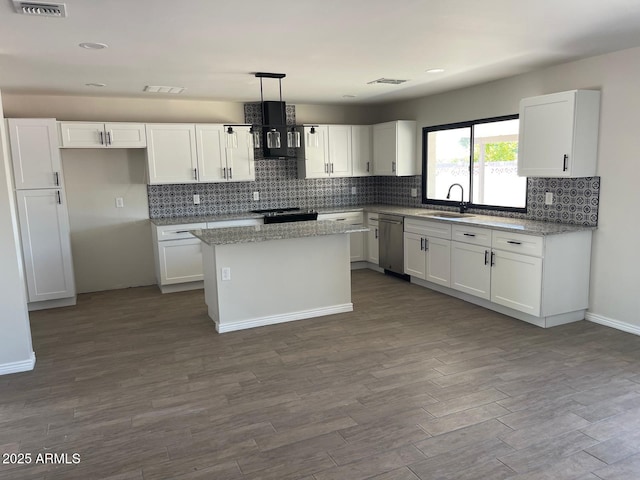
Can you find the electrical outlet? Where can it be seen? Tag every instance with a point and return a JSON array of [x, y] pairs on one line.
[[196, 199], [226, 274], [256, 196], [414, 192], [353, 190], [119, 202], [548, 198]]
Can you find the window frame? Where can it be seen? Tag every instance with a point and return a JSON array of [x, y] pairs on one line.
[[470, 204]]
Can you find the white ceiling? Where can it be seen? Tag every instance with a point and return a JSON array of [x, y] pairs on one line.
[[328, 48]]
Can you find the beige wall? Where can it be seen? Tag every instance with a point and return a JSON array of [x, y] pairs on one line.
[[112, 246], [16, 352], [615, 257]]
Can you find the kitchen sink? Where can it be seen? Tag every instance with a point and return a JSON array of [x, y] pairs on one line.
[[448, 215]]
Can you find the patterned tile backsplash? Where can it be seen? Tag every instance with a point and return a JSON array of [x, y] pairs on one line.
[[576, 199]]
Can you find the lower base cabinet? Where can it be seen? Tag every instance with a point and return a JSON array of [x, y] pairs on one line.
[[516, 281], [471, 269], [46, 245], [356, 240], [372, 236], [178, 254], [428, 258]]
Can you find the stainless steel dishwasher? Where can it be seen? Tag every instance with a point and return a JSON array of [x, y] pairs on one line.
[[391, 243]]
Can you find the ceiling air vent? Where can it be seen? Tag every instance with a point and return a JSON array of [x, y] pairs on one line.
[[387, 81], [40, 9], [161, 89]]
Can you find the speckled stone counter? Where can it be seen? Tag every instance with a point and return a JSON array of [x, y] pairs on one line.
[[275, 231], [161, 222]]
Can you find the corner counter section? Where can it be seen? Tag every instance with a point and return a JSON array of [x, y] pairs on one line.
[[267, 274]]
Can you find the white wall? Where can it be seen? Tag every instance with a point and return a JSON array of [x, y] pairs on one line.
[[615, 284], [16, 352]]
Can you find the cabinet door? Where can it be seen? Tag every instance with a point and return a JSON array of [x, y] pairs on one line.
[[438, 253], [357, 240], [546, 135], [340, 160], [240, 158], [516, 281], [362, 148], [44, 228], [316, 152], [372, 243], [384, 148], [171, 153], [415, 263], [125, 135], [82, 135], [180, 261], [471, 269], [212, 163], [35, 153]]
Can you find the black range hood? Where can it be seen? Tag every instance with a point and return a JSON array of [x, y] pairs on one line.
[[274, 119]]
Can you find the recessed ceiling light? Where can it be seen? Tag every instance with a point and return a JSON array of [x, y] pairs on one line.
[[93, 46], [163, 89], [348, 96], [435, 70], [96, 84], [387, 81]]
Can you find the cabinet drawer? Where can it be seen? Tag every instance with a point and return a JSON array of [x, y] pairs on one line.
[[517, 243], [473, 235], [352, 218], [245, 222], [175, 232], [372, 217], [427, 228]]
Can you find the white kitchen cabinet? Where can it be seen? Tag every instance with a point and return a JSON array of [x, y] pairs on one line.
[[427, 258], [362, 150], [102, 135], [357, 239], [171, 153], [471, 269], [46, 246], [222, 156], [325, 153], [516, 281], [240, 156], [34, 153], [394, 148], [373, 235], [427, 250], [178, 254], [559, 134]]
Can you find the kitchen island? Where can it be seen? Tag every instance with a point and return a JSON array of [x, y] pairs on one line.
[[267, 274]]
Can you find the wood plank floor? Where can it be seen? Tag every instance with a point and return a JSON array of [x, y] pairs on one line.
[[411, 385]]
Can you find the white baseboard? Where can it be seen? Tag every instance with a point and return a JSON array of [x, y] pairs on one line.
[[287, 317], [610, 322], [17, 367], [46, 304], [181, 287]]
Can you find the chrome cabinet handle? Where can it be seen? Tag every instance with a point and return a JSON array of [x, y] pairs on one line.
[[109, 138], [565, 161], [230, 173], [486, 257], [367, 166], [469, 234], [101, 133], [224, 173], [195, 174], [326, 168], [513, 242], [376, 233], [332, 168], [393, 166], [493, 258], [56, 177], [426, 244], [59, 197], [421, 244], [182, 231]]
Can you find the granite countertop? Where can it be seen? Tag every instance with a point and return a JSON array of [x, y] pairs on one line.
[[274, 231], [520, 225]]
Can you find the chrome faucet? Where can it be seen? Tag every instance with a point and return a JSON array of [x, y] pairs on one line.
[[463, 204]]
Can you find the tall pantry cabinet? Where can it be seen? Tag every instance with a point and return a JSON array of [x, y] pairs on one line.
[[42, 212]]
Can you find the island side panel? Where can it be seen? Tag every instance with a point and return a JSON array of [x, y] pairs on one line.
[[210, 281], [282, 280]]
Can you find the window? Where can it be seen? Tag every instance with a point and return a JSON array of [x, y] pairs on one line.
[[482, 157]]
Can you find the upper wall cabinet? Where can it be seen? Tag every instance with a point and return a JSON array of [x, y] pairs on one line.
[[394, 148], [362, 150], [102, 135], [35, 153], [325, 152], [559, 134], [188, 153]]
